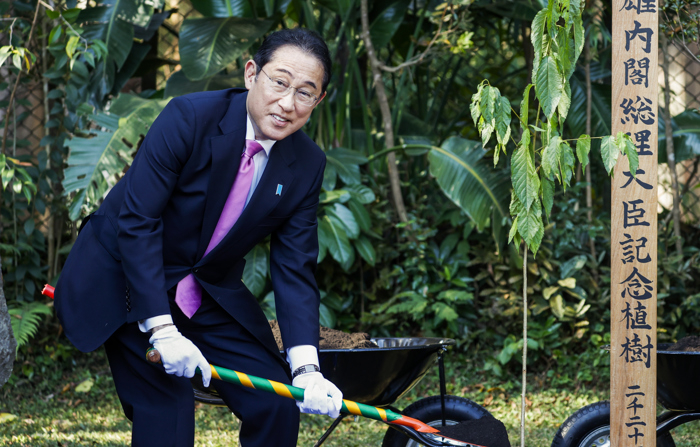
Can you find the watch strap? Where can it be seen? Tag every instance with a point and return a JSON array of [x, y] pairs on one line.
[[305, 369]]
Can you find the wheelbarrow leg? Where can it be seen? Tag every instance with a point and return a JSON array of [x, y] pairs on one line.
[[330, 430], [443, 387]]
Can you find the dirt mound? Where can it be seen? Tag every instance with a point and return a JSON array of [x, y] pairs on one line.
[[331, 339], [689, 343]]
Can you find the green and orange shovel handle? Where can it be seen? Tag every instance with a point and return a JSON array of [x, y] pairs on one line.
[[292, 392]]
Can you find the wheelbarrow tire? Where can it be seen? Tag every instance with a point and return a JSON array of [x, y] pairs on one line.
[[592, 423], [429, 410]]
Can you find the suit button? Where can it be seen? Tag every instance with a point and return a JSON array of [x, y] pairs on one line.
[[196, 270]]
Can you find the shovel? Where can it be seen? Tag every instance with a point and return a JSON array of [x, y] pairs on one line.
[[411, 427]]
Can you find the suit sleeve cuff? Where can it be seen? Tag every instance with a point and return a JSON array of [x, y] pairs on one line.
[[301, 355], [149, 323]]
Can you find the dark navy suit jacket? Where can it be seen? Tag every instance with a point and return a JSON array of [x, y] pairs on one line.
[[155, 224]]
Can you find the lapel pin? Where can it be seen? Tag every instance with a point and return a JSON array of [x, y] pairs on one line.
[[279, 190]]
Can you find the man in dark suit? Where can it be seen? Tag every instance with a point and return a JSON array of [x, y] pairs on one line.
[[161, 261]]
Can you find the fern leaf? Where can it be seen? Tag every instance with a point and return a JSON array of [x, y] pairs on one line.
[[25, 320]]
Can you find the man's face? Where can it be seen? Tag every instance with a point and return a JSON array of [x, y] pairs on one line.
[[274, 115]]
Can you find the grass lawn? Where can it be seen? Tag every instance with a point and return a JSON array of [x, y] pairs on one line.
[[72, 402]]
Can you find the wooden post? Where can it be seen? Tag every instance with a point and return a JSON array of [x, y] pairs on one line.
[[635, 95]]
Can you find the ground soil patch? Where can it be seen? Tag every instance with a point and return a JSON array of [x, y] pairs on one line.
[[689, 343], [331, 339]]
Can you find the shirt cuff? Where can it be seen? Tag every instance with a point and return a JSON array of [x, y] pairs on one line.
[[149, 323], [301, 355]]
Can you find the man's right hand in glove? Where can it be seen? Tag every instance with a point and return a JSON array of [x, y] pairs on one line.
[[179, 355]]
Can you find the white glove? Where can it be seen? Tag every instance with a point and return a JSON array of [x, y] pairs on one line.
[[179, 355], [320, 395]]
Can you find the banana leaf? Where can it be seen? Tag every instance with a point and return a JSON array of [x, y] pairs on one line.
[[471, 183], [209, 44], [240, 8], [95, 162], [178, 84]]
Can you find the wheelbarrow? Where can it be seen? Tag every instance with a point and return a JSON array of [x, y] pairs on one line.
[[677, 390], [382, 375]]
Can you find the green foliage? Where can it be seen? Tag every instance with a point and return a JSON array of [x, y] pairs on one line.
[[97, 160], [26, 319]]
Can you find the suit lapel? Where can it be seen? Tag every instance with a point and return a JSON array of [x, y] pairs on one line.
[[226, 151], [265, 197]]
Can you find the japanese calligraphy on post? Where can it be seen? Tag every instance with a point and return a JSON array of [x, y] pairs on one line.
[[635, 94]]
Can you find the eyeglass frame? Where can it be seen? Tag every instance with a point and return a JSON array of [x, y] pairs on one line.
[[290, 86]]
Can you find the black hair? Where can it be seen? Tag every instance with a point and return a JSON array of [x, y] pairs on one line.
[[306, 40]]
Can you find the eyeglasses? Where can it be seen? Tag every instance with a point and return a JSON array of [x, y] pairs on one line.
[[301, 96]]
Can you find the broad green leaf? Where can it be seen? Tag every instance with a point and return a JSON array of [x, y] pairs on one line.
[[550, 158], [686, 136], [94, 162], [526, 183], [569, 283], [525, 106], [567, 162], [503, 121], [443, 312], [475, 106], [113, 22], [513, 231], [360, 214], [583, 147], [549, 291], [256, 269], [550, 85], [366, 250], [536, 36], [557, 305], [579, 36], [346, 218], [626, 146], [387, 21], [224, 8], [361, 193], [209, 44], [531, 227], [547, 195], [469, 181], [609, 152], [332, 234], [178, 84], [600, 108], [338, 195], [327, 317], [564, 102], [488, 108], [7, 417], [346, 163]]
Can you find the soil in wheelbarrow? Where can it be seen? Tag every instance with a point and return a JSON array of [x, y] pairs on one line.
[[689, 343], [489, 432], [331, 339]]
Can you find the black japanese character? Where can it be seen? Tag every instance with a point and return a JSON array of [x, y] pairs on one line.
[[639, 110], [634, 351], [633, 215], [637, 72], [638, 320], [637, 286], [642, 139], [641, 6], [628, 252], [636, 178], [644, 35]]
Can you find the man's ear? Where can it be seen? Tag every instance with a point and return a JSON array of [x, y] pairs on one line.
[[321, 98], [249, 74]]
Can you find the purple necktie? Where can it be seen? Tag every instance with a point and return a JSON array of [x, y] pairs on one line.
[[189, 293]]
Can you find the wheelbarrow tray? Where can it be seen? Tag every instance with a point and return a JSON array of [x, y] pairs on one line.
[[373, 376], [677, 379], [380, 376]]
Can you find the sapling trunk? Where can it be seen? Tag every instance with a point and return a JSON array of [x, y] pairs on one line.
[[524, 387]]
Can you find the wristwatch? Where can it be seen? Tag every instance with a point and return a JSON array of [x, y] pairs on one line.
[[305, 369]]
